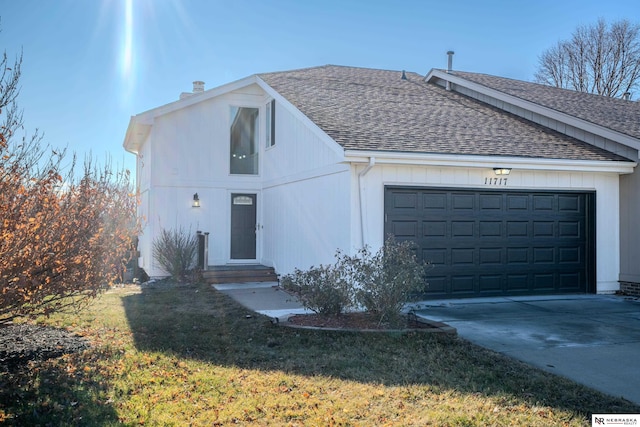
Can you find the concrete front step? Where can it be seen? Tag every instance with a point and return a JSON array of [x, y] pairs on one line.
[[239, 274]]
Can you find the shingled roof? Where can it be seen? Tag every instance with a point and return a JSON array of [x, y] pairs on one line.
[[616, 114], [369, 109]]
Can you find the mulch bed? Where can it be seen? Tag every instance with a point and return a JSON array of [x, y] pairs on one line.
[[22, 343], [364, 322]]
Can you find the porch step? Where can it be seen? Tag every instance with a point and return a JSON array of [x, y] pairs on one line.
[[239, 274]]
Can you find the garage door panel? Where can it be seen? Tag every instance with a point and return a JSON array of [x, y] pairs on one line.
[[570, 255], [405, 229], [434, 228], [436, 256], [462, 228], [435, 202], [490, 256], [543, 255], [517, 203], [517, 282], [437, 285], [497, 242], [517, 229], [461, 257], [517, 256], [405, 200], [570, 282], [543, 228], [464, 202], [570, 203], [490, 229], [490, 202], [490, 283], [462, 284], [543, 282], [570, 229], [543, 202]]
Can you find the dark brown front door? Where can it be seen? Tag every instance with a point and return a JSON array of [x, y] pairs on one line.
[[243, 226]]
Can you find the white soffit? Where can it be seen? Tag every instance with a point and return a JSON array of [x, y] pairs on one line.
[[467, 161]]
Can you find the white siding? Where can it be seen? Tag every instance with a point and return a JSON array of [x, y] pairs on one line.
[[606, 186], [302, 190], [305, 222], [305, 198]]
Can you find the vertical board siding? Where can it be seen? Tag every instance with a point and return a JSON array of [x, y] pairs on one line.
[[305, 222]]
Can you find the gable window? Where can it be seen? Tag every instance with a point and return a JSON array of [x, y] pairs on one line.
[[244, 137], [271, 123]]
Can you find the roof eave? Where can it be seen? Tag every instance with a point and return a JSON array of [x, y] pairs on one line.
[[568, 119], [483, 162]]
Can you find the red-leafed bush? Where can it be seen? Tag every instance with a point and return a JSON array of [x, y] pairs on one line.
[[64, 235]]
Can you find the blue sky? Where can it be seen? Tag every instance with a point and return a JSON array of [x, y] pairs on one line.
[[90, 64]]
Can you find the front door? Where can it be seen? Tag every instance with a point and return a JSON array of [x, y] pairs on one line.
[[243, 226]]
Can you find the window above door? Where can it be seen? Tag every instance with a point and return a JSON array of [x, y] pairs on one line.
[[243, 142]]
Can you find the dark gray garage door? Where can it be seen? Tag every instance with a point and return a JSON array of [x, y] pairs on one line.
[[490, 243]]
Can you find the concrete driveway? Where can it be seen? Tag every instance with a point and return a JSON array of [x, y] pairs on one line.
[[591, 339]]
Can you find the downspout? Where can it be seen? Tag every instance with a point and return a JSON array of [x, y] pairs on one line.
[[361, 174]]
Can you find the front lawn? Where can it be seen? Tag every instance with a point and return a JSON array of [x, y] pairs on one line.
[[189, 355]]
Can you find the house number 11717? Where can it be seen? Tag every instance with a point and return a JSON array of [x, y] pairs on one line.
[[495, 181]]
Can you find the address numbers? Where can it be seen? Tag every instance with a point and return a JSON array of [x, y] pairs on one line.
[[495, 181]]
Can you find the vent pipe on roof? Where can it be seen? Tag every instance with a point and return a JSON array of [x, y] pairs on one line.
[[626, 96], [449, 68], [450, 61], [198, 86], [404, 76]]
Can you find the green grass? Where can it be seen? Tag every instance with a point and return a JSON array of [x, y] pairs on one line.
[[188, 355]]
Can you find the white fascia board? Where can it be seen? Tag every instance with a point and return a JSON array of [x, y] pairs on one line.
[[149, 115], [537, 108], [136, 134], [337, 148], [140, 124], [467, 161]]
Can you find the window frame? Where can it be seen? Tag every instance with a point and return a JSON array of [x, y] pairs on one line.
[[270, 123], [255, 139]]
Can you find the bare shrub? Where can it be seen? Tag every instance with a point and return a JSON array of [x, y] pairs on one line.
[[380, 282], [320, 289], [175, 250]]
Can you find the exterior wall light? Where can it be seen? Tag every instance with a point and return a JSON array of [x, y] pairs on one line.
[[502, 171], [196, 201]]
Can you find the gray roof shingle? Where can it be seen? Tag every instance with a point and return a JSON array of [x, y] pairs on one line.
[[612, 113], [369, 109]]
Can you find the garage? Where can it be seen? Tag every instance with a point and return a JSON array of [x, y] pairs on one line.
[[497, 242]]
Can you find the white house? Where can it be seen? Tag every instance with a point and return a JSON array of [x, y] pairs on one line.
[[507, 187]]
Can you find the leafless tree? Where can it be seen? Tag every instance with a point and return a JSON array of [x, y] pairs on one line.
[[600, 58]]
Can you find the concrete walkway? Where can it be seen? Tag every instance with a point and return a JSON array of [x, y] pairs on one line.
[[591, 339], [264, 298]]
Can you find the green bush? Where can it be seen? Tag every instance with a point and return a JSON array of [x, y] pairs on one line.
[[378, 282], [175, 250]]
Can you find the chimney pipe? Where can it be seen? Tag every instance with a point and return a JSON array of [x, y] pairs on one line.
[[626, 96], [449, 68], [198, 86]]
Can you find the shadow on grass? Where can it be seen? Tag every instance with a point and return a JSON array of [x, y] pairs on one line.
[[200, 323], [51, 393]]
